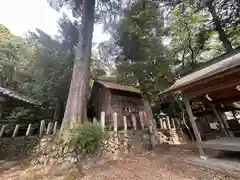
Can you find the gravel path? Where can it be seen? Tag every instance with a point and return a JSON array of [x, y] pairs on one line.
[[163, 164]]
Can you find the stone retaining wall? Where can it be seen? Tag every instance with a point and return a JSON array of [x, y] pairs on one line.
[[50, 152], [17, 148], [46, 150]]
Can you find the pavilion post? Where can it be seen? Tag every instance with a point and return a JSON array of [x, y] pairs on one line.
[[194, 125], [222, 123], [134, 121]]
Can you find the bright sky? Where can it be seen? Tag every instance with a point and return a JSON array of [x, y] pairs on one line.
[[20, 16]]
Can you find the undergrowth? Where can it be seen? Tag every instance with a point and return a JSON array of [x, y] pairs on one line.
[[87, 139]]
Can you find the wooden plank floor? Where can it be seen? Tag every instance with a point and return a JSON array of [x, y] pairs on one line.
[[225, 143]]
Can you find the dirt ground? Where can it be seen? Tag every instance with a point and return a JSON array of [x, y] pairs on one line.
[[168, 163]]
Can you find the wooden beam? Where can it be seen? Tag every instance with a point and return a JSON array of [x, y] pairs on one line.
[[212, 89], [227, 99], [194, 126], [206, 80]]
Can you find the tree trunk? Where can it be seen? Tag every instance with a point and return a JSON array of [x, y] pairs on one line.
[[222, 35], [75, 111]]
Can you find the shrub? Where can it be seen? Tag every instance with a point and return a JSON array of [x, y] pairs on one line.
[[86, 139]]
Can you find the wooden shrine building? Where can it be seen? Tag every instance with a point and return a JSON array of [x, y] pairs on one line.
[[217, 87], [111, 97]]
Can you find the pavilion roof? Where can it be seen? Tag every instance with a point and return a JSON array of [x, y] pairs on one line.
[[121, 87], [16, 95], [229, 63]]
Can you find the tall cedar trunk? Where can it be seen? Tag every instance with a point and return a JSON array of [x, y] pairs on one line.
[[75, 112], [222, 35]]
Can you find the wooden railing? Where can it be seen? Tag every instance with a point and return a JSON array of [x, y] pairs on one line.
[[44, 128], [164, 123], [41, 129]]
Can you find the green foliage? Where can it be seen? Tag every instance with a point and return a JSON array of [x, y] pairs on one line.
[[26, 115], [191, 38], [53, 67], [87, 139], [16, 57], [142, 60]]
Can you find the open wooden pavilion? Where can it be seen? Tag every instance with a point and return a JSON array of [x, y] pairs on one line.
[[11, 99], [216, 85]]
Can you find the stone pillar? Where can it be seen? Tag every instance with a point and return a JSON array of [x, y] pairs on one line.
[[103, 120], [2, 130], [141, 119], [161, 123], [49, 127], [164, 124], [55, 127], [42, 128], [15, 130], [173, 123], [28, 130], [126, 149], [134, 123], [168, 123], [115, 136], [115, 122]]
